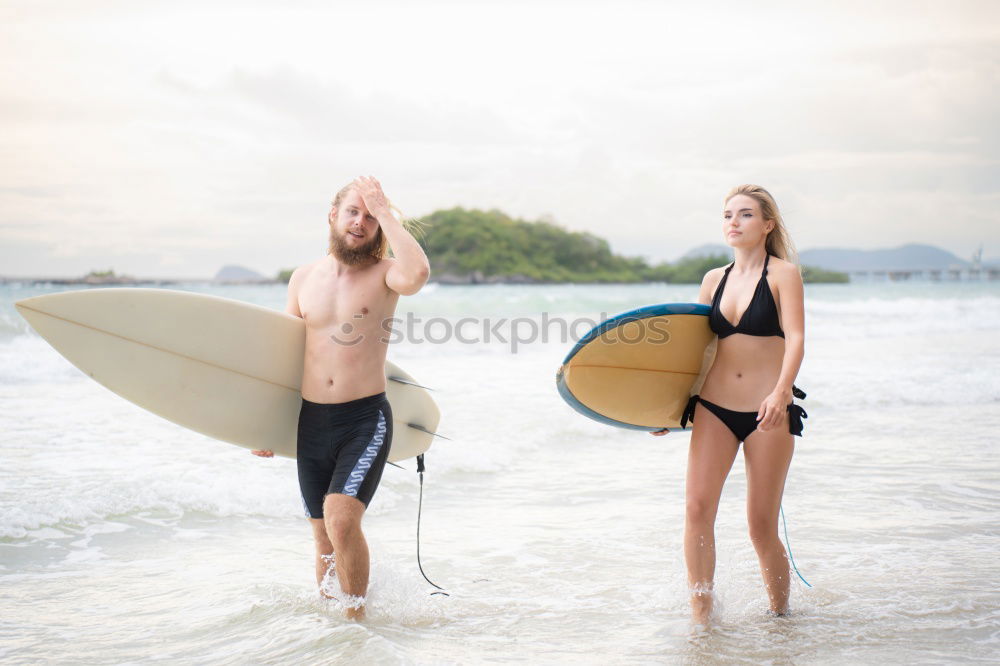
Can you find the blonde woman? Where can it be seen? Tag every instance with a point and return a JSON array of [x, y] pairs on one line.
[[757, 312]]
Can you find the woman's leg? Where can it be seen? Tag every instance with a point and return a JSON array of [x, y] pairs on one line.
[[710, 457], [768, 456]]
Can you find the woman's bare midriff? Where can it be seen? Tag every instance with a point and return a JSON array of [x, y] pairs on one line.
[[745, 371]]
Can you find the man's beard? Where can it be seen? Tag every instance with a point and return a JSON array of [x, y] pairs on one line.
[[352, 256]]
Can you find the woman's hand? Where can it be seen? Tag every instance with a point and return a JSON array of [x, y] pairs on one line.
[[772, 411], [268, 453], [659, 433]]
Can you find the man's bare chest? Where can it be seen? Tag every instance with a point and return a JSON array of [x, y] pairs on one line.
[[329, 301]]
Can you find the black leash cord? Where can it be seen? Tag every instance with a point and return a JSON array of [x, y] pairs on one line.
[[420, 506]]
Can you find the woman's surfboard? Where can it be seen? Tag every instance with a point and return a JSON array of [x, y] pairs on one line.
[[637, 369], [226, 369]]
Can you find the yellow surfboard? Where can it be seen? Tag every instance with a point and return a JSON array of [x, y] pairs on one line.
[[638, 369]]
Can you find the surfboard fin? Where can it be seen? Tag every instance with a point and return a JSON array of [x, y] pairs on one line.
[[400, 380], [416, 426]]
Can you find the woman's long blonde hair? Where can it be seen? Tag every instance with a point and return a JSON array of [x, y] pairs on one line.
[[779, 242]]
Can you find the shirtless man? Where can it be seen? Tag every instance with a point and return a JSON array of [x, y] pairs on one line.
[[347, 299]]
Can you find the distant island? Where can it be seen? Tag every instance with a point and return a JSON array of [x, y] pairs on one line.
[[106, 278], [481, 247]]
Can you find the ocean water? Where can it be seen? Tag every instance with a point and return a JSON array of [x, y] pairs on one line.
[[125, 538]]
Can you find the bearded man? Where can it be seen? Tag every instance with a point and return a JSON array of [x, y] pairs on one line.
[[347, 300]]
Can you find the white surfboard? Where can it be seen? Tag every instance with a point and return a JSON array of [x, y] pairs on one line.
[[226, 369]]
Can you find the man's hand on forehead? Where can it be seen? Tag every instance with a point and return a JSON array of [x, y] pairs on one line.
[[373, 196]]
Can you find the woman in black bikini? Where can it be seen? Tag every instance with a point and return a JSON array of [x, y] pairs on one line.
[[747, 393]]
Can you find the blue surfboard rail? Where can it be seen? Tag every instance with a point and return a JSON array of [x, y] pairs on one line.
[[638, 314], [609, 324]]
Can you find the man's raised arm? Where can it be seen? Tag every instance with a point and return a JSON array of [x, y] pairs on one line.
[[410, 269]]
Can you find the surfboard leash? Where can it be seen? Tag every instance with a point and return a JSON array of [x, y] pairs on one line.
[[420, 506], [788, 546]]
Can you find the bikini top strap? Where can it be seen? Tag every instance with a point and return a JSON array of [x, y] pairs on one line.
[[717, 296], [767, 258], [725, 277]]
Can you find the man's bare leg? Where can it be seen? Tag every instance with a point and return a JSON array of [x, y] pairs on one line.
[[342, 517], [324, 551]]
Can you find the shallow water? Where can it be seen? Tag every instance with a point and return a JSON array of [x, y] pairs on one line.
[[125, 538]]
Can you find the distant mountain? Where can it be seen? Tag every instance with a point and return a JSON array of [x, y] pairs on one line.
[[906, 257], [708, 250], [238, 274]]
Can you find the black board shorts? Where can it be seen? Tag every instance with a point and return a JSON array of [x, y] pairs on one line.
[[342, 448]]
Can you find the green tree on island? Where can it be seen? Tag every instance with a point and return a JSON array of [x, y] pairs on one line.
[[474, 246]]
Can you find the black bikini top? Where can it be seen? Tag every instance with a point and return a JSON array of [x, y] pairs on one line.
[[760, 317]]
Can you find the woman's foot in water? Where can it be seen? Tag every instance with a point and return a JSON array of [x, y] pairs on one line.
[[702, 597]]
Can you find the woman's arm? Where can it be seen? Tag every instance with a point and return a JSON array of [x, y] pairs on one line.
[[791, 301], [708, 285]]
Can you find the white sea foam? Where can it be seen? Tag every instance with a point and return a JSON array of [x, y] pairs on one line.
[[145, 540]]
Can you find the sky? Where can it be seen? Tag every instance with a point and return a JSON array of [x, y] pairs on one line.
[[170, 138]]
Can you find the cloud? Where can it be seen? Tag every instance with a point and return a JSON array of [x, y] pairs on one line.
[[872, 124]]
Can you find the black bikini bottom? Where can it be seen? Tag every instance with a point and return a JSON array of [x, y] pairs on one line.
[[742, 424]]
